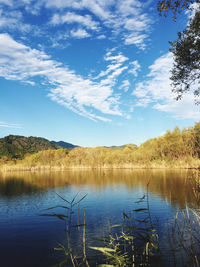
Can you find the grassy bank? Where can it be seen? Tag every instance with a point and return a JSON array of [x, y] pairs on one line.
[[41, 162], [175, 149]]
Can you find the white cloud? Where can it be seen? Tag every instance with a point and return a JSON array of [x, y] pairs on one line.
[[125, 85], [115, 59], [109, 69], [101, 37], [79, 33], [13, 21], [135, 67], [113, 70], [71, 17], [9, 125], [6, 2], [83, 96], [137, 39], [157, 91], [125, 18], [137, 23]]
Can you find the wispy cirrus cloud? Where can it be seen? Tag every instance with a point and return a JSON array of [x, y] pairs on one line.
[[71, 17], [126, 19], [6, 2], [125, 85], [81, 95], [79, 33], [9, 125], [135, 68], [156, 90], [13, 21]]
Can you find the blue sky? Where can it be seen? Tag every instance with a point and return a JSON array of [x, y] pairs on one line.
[[89, 72]]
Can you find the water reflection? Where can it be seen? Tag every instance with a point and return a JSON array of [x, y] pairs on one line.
[[172, 186], [25, 195], [16, 186]]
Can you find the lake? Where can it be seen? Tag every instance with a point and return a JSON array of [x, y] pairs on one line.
[[28, 239]]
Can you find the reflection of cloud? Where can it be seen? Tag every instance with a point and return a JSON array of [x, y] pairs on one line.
[[157, 90]]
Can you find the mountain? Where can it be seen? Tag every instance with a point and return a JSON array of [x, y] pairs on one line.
[[64, 144], [15, 146], [132, 146]]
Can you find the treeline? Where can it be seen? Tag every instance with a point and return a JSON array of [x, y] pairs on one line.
[[177, 148], [16, 146]]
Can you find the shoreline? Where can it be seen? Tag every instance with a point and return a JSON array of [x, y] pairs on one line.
[[114, 167]]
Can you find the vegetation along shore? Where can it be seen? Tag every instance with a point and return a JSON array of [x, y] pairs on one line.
[[175, 149]]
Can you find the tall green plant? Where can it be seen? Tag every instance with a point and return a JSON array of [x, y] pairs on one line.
[[69, 254], [134, 242]]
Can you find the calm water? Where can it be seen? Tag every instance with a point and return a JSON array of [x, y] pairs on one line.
[[28, 239]]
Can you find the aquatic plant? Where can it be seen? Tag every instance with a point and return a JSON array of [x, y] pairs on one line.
[[134, 242], [69, 255]]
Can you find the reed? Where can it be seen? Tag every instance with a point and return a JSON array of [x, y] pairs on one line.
[[184, 239], [70, 256], [135, 241]]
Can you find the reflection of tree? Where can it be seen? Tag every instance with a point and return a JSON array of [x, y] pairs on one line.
[[14, 187], [172, 186]]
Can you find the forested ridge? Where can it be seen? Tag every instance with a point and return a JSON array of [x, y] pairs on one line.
[[16, 146], [177, 148]]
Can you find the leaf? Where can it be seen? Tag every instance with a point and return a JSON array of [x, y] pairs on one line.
[[142, 221], [59, 216], [128, 237], [106, 265], [142, 209], [80, 200], [102, 249], [64, 207], [74, 198], [78, 225], [141, 199], [58, 249], [116, 225], [63, 198], [107, 251], [125, 215]]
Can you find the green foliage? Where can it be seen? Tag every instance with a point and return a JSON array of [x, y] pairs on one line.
[[15, 147], [185, 73], [67, 216], [134, 242]]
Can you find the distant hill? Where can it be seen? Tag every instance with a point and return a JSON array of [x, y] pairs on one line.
[[122, 147], [15, 146], [64, 144]]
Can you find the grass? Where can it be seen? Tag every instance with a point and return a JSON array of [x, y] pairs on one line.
[[22, 165]]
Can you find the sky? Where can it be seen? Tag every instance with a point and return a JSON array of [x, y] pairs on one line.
[[89, 72]]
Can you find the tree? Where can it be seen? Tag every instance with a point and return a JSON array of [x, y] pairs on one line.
[[175, 6], [185, 74]]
